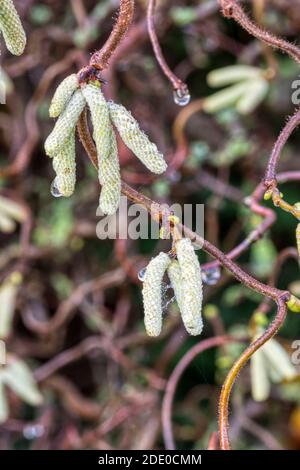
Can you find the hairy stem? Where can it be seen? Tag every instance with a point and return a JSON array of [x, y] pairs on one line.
[[291, 125], [231, 9], [125, 15], [174, 379], [239, 364]]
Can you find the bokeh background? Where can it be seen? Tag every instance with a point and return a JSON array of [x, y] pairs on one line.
[[70, 304]]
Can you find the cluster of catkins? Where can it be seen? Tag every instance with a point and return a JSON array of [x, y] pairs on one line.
[[67, 104], [11, 28], [185, 277]]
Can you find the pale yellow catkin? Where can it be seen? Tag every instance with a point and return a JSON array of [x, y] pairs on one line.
[[109, 173], [65, 124], [64, 165], [135, 139], [192, 295], [174, 273], [62, 95], [152, 293], [105, 140], [100, 120], [11, 27], [12, 209]]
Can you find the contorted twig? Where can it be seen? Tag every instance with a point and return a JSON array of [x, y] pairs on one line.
[[159, 212], [280, 297], [291, 125], [174, 379], [239, 364], [100, 59], [231, 9], [180, 88]]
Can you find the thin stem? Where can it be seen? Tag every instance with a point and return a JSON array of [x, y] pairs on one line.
[[101, 58], [231, 9], [280, 297], [258, 12], [176, 82], [158, 212], [239, 364], [174, 379], [291, 125]]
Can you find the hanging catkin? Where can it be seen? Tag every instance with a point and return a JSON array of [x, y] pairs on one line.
[[191, 296], [64, 164], [109, 173], [152, 293], [100, 120], [174, 273], [135, 139], [62, 95], [65, 124], [11, 27], [105, 140]]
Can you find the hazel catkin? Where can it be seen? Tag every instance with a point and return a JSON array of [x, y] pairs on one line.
[[65, 124], [64, 164], [191, 295], [135, 139], [11, 28], [152, 293], [107, 151], [62, 95]]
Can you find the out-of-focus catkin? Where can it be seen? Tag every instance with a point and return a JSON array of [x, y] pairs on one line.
[[298, 239], [62, 95], [11, 27], [65, 124], [135, 139], [191, 287], [152, 293]]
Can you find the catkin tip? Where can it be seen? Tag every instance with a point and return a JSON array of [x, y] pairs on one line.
[[62, 95]]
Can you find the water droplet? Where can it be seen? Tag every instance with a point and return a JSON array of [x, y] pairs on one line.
[[141, 274], [33, 432], [182, 96], [175, 176], [55, 189], [211, 276]]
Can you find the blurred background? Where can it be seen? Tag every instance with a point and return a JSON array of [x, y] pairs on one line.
[[80, 372]]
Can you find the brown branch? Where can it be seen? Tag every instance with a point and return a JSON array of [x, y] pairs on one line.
[[179, 86], [231, 9], [174, 379], [280, 297], [291, 125], [240, 363], [100, 59], [67, 308], [159, 212]]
